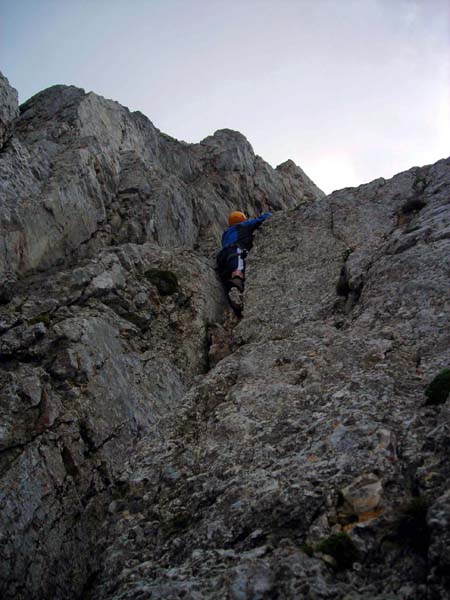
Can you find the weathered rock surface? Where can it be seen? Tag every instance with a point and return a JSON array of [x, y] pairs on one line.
[[315, 424], [152, 446], [9, 108], [107, 294], [91, 359], [82, 172]]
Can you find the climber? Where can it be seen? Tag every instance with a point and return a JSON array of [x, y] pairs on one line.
[[237, 240]]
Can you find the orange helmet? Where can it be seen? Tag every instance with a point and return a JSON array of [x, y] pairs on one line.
[[236, 217]]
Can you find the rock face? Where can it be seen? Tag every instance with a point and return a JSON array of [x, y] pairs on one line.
[[9, 108], [107, 294], [82, 172], [152, 446], [306, 464]]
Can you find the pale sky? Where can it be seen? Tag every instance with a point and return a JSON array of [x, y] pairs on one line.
[[351, 90]]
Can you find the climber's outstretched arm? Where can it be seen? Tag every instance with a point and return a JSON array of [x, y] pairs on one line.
[[254, 223]]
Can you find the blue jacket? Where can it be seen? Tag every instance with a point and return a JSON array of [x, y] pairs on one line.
[[241, 234]]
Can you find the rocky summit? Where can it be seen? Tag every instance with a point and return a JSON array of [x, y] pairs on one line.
[[153, 445]]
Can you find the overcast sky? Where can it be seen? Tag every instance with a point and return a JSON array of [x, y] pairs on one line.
[[351, 90]]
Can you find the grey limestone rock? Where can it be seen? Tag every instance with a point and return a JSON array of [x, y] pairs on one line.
[[439, 523], [153, 445], [9, 107], [313, 424], [107, 293], [82, 172], [92, 358]]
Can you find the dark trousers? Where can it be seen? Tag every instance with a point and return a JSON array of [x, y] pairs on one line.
[[230, 259]]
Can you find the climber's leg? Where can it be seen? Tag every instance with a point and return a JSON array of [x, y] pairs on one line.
[[237, 274]]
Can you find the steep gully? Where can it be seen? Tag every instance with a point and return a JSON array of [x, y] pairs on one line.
[[128, 470]]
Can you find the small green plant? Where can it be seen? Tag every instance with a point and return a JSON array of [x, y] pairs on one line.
[[341, 547], [165, 282], [420, 183], [438, 390], [347, 253], [42, 318]]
